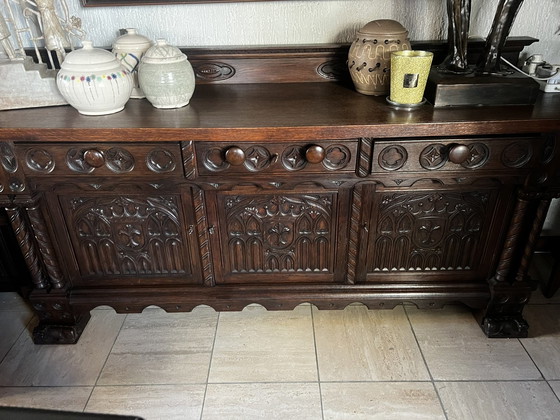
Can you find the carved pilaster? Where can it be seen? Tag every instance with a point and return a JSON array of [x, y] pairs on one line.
[[354, 237], [45, 245], [365, 156], [512, 238], [203, 239], [536, 229], [24, 236], [189, 162]]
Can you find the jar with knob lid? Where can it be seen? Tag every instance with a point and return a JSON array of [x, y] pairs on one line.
[[93, 81], [166, 76], [129, 49], [369, 57]]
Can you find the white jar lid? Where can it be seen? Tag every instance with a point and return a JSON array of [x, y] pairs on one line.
[[162, 52], [89, 57], [132, 39]]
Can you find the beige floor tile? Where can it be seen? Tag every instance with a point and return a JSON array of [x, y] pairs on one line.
[[49, 398], [28, 364], [151, 402], [555, 385], [543, 343], [12, 325], [380, 400], [455, 348], [256, 345], [498, 400], [357, 344], [262, 401], [156, 347]]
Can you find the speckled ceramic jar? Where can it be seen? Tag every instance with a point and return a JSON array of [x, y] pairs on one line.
[[166, 76], [369, 58], [93, 81], [129, 49]]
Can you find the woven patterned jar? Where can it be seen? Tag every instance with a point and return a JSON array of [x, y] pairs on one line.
[[166, 76], [369, 58]]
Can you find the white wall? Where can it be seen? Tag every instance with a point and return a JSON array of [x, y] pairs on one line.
[[309, 21]]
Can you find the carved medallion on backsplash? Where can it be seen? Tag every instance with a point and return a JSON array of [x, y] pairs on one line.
[[517, 155], [39, 160], [8, 158], [337, 157], [257, 158], [119, 160], [423, 232], [433, 156], [392, 158], [274, 233], [478, 157], [75, 161], [161, 161], [333, 70], [127, 236], [213, 71]]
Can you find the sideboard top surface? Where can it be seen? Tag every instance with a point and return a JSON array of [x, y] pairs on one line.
[[280, 112]]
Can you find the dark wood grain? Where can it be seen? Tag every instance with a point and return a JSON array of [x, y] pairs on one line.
[[278, 194]]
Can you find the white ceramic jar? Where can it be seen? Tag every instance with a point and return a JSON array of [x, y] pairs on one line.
[[129, 49], [166, 76], [93, 81]]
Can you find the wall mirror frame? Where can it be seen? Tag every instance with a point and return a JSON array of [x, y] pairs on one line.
[[111, 3]]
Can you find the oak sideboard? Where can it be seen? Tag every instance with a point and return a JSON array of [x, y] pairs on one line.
[[279, 184]]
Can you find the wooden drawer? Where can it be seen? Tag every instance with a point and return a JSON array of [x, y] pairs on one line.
[[101, 159], [249, 159], [463, 155]]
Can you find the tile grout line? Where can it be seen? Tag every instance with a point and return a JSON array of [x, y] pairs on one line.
[[105, 362], [540, 372], [210, 365], [433, 382], [25, 327], [317, 364]]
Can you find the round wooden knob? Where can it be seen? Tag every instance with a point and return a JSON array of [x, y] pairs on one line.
[[315, 154], [94, 158], [459, 153], [235, 156]]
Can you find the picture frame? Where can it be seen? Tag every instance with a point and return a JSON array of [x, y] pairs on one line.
[[111, 3]]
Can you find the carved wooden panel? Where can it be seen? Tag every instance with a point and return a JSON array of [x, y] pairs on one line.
[[286, 234], [336, 156], [428, 156], [11, 176], [129, 236], [430, 231], [102, 159]]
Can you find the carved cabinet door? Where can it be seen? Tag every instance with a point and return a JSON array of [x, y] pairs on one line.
[[273, 236], [432, 235], [127, 238]]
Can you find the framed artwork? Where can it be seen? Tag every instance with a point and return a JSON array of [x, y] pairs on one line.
[[107, 3]]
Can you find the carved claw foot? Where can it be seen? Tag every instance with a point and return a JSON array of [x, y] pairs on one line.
[[60, 334], [506, 326]]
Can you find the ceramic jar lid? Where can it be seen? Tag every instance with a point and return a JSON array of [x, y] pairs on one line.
[[132, 40], [88, 57], [383, 27], [163, 53]]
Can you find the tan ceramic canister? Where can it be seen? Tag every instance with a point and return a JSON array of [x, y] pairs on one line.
[[369, 58]]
